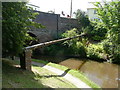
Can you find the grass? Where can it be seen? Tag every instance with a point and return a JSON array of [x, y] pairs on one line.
[[75, 73], [52, 79], [14, 77]]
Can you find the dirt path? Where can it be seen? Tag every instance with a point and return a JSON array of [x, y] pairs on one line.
[[78, 83]]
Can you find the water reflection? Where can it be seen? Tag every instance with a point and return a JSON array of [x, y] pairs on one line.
[[104, 74]]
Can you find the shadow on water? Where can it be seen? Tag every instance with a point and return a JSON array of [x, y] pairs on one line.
[[81, 65], [102, 73], [53, 59], [49, 76]]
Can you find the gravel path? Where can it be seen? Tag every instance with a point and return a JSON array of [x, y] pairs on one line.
[[77, 82]]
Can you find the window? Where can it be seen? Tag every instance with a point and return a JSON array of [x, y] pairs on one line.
[[95, 12]]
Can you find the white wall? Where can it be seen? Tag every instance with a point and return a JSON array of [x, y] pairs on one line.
[[92, 14]]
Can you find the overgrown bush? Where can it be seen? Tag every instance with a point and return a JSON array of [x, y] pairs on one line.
[[55, 50], [95, 31], [112, 50], [76, 47], [82, 18], [70, 33], [80, 49], [109, 13], [95, 51], [83, 48], [67, 48]]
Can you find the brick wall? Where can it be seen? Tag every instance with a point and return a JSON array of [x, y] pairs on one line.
[[54, 24]]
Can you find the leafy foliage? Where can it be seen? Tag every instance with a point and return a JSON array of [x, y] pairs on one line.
[[96, 31], [109, 13], [112, 50], [57, 49], [67, 48], [15, 23], [95, 51], [75, 45], [82, 18], [70, 33]]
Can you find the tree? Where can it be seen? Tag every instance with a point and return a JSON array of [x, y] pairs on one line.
[[16, 22], [82, 18], [109, 13]]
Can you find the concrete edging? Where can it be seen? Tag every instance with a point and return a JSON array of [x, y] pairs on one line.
[[77, 82]]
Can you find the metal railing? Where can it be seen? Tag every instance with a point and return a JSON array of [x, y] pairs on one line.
[[52, 42], [25, 59]]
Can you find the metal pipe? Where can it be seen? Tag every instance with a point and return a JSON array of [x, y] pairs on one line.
[[52, 42]]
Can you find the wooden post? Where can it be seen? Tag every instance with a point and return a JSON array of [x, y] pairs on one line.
[[25, 59]]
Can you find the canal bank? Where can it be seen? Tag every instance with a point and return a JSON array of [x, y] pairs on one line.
[[104, 74]]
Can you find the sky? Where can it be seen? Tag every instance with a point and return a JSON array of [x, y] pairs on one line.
[[62, 5]]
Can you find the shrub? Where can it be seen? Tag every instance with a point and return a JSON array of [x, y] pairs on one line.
[[95, 51], [96, 31], [112, 50], [68, 48], [109, 15], [70, 33], [55, 50], [75, 46], [80, 49]]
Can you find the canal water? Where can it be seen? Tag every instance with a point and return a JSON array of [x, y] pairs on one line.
[[103, 74]]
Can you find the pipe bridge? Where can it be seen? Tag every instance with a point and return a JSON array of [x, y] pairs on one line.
[[25, 57]]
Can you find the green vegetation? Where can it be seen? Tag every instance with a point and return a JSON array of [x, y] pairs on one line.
[[95, 51], [82, 18], [40, 61], [68, 48], [102, 40], [109, 13], [76, 47], [16, 21], [51, 79], [14, 77], [95, 31], [75, 73]]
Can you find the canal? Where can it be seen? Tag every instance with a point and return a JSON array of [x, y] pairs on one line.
[[104, 74]]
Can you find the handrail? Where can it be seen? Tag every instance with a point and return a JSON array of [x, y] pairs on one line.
[[52, 42]]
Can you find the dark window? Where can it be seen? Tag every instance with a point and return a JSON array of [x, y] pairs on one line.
[[95, 12]]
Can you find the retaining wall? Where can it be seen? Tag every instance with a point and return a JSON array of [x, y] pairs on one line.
[[54, 26]]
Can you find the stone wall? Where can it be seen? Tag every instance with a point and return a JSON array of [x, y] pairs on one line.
[[67, 24], [54, 26]]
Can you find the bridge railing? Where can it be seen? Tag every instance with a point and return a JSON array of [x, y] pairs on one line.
[[25, 59]]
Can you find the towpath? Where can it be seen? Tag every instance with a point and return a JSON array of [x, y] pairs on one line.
[[77, 82]]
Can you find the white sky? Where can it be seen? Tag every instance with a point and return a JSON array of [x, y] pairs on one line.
[[62, 5]]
